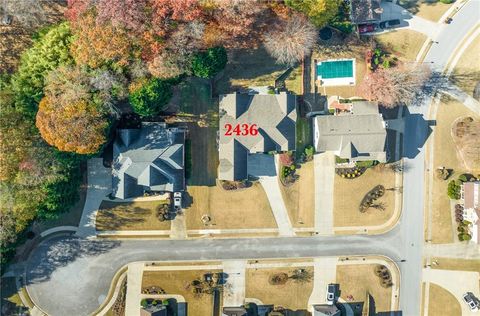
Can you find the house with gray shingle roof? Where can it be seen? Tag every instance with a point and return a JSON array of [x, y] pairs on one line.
[[273, 115], [365, 11], [150, 158], [358, 135]]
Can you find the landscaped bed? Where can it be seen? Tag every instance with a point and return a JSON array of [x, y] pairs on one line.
[[245, 208], [444, 147], [130, 216], [292, 294], [356, 281], [299, 197], [180, 283], [349, 193]]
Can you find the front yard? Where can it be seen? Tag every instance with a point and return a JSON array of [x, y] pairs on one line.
[[358, 280], [348, 194], [244, 208], [292, 294], [467, 71], [442, 302], [130, 216], [404, 44], [180, 283], [299, 197], [428, 9], [444, 156]]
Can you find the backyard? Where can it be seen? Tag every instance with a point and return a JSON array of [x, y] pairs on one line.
[[180, 283], [359, 280], [290, 295], [339, 48], [448, 112], [348, 194], [299, 197], [130, 216], [244, 208], [253, 67]]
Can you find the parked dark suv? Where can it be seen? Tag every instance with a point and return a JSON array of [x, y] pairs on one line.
[[389, 24]]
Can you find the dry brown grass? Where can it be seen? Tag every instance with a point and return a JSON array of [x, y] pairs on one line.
[[456, 264], [130, 216], [405, 44], [291, 295], [465, 134], [178, 282], [445, 155], [339, 48], [299, 198], [247, 208], [432, 11], [442, 302], [348, 193], [359, 280], [294, 81], [467, 71]]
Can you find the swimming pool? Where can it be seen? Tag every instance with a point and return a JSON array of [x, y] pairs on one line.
[[336, 72]]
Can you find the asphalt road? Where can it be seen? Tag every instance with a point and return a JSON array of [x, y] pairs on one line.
[[71, 276]]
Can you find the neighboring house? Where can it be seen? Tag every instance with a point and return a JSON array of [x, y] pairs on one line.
[[153, 310], [234, 311], [470, 195], [250, 124], [365, 11], [326, 310], [148, 159], [357, 133]]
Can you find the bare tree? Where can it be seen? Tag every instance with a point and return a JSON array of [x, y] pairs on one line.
[[289, 41], [395, 86]]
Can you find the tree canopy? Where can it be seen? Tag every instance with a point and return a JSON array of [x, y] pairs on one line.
[[320, 12], [208, 64], [150, 97]]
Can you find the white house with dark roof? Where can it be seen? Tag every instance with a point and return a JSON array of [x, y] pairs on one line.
[[273, 118], [148, 159], [358, 134]]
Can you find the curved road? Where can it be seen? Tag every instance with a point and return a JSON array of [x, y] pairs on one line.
[[71, 276]]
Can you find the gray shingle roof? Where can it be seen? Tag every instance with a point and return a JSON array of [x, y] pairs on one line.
[[149, 158], [275, 116], [360, 135], [365, 11]]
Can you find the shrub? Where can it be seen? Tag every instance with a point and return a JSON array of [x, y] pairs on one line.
[[151, 98], [463, 177], [366, 164], [309, 151], [386, 64], [453, 190], [447, 1], [286, 159], [208, 64]]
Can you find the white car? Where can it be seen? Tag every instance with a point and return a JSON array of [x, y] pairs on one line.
[[471, 301], [331, 290], [177, 201]]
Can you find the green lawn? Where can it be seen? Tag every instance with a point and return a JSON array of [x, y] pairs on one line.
[[194, 96], [304, 134]]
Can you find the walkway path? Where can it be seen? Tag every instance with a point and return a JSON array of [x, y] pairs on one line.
[[271, 186], [134, 288], [99, 186], [324, 168]]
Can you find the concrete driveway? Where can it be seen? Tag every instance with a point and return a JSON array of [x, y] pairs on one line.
[[324, 168], [99, 186]]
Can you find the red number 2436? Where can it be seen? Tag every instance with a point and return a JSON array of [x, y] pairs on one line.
[[241, 129]]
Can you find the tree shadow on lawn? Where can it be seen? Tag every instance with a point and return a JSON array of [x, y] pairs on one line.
[[413, 6], [58, 252]]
